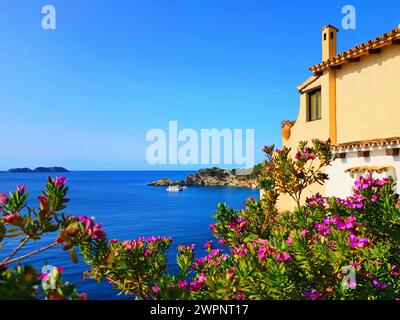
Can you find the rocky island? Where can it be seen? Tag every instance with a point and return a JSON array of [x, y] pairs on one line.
[[39, 169], [215, 177]]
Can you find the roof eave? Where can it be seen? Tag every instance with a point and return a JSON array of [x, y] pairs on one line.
[[353, 54]]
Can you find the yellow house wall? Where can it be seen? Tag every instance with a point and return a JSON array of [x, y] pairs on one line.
[[307, 130], [368, 97]]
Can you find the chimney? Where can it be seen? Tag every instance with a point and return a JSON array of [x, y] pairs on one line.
[[329, 34]]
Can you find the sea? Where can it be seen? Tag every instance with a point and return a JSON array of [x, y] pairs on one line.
[[128, 209]]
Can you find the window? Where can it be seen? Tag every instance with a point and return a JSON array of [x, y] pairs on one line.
[[314, 105]]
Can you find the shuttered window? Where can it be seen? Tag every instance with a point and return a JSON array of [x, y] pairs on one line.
[[314, 105]]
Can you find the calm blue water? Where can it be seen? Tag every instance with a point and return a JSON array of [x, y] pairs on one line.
[[128, 209]]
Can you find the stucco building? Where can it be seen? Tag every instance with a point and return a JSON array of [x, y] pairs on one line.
[[353, 98]]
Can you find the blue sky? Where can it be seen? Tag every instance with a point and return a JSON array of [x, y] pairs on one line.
[[84, 95]]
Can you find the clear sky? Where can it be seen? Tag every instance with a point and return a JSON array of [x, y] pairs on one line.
[[84, 95]]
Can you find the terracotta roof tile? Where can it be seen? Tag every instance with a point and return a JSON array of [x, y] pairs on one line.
[[386, 142], [385, 40], [368, 169]]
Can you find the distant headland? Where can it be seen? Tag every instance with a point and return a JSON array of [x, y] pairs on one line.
[[38, 169], [216, 177]]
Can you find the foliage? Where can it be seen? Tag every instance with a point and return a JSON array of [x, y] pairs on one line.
[[23, 283], [285, 175], [260, 253], [214, 172], [30, 224]]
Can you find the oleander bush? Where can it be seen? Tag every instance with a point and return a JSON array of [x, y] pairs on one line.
[[327, 248]]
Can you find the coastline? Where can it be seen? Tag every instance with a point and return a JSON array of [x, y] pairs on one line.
[[213, 177]]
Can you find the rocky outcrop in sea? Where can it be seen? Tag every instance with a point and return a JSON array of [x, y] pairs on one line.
[[211, 177]]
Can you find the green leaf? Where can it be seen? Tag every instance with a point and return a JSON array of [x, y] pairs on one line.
[[73, 256]]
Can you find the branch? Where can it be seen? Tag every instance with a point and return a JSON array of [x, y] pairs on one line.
[[12, 254], [30, 254]]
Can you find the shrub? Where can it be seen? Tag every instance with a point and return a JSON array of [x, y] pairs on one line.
[[328, 248]]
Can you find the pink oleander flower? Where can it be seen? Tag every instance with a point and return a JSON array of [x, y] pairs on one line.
[[208, 245], [262, 241], [304, 232], [240, 295], [240, 250], [60, 181], [357, 266], [322, 229], [83, 296], [182, 284], [317, 200], [147, 253], [152, 239], [381, 183], [183, 248], [361, 185], [230, 272], [242, 222], [283, 257], [375, 198], [97, 233], [128, 244], [21, 189], [362, 242], [14, 219], [3, 198], [196, 285], [340, 224], [232, 224], [156, 288], [395, 271], [211, 226], [261, 253], [356, 242], [351, 222], [377, 284], [93, 229], [113, 241], [213, 253], [313, 295], [202, 277], [289, 241], [267, 148]]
